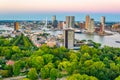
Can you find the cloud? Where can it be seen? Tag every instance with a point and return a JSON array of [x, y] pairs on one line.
[[60, 5]]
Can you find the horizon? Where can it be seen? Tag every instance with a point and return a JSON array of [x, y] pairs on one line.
[[60, 16]]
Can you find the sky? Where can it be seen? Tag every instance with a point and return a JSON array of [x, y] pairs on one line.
[[15, 9]]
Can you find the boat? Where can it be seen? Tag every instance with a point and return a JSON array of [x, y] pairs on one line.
[[78, 31], [117, 41]]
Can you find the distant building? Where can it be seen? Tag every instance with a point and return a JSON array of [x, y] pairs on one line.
[[10, 62], [51, 43], [53, 18], [82, 24], [116, 27], [77, 24], [103, 19], [54, 21], [16, 26], [70, 21], [64, 25], [91, 26], [6, 28], [69, 38], [102, 24], [101, 28], [67, 21], [87, 21], [60, 25]]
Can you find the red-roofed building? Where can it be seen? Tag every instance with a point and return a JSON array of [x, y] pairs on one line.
[[10, 62]]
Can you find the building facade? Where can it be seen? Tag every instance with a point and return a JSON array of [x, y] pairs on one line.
[[87, 22], [54, 21], [70, 21], [102, 24], [91, 26], [16, 26], [69, 38]]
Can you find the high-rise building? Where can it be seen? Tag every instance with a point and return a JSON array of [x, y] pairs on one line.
[[102, 24], [54, 21], [87, 21], [70, 21], [103, 19], [91, 26], [67, 21], [16, 26], [53, 18], [69, 38]]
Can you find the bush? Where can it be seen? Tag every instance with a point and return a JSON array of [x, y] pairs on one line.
[[4, 73]]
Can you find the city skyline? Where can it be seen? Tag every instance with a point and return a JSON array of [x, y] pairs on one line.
[[59, 16]]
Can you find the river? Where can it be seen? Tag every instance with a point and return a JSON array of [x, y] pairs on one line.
[[104, 40]]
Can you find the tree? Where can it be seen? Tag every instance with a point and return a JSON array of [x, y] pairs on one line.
[[15, 49], [48, 58], [6, 42], [53, 74], [4, 73], [39, 52], [73, 57], [85, 57], [115, 70], [5, 51], [37, 62], [45, 71], [32, 74], [1, 42], [97, 69], [10, 69], [45, 48], [8, 53], [26, 79], [117, 78], [81, 77], [66, 66], [16, 68], [84, 49]]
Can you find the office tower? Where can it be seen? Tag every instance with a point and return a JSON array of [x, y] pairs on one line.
[[103, 19], [53, 18], [67, 21], [69, 38], [91, 26], [16, 26], [70, 21], [87, 21], [54, 21], [102, 25]]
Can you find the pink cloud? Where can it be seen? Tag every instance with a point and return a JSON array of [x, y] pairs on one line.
[[61, 5]]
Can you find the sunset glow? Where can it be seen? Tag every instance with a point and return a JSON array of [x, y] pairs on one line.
[[102, 6]]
